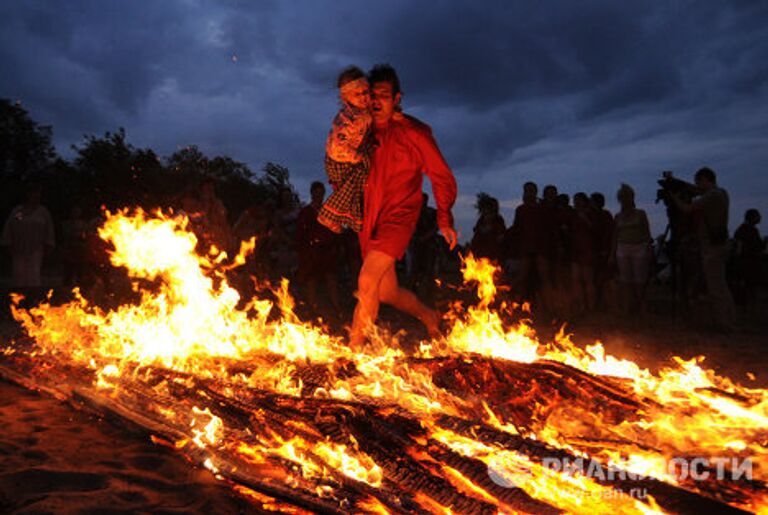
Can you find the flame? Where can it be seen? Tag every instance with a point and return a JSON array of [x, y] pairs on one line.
[[572, 492], [374, 506], [211, 432], [717, 415], [316, 459], [268, 503], [188, 319]]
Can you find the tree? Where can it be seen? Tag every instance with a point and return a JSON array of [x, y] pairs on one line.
[[115, 173], [188, 161], [276, 177], [226, 168], [25, 146], [107, 170], [26, 154]]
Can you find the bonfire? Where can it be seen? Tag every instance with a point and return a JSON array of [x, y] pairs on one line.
[[487, 419]]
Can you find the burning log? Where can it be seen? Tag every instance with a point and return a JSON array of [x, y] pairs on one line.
[[414, 464], [282, 410], [672, 499], [522, 392]]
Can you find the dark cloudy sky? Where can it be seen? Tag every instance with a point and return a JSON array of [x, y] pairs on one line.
[[580, 94]]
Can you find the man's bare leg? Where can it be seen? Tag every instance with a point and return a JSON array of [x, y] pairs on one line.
[[405, 300], [375, 265]]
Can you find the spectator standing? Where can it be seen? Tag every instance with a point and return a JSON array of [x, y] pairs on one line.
[[749, 248], [631, 250], [317, 249], [28, 233], [284, 256], [711, 209], [73, 249], [488, 232], [524, 233], [546, 245], [582, 232], [604, 272], [562, 269]]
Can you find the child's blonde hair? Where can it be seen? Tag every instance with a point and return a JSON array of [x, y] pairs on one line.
[[349, 74]]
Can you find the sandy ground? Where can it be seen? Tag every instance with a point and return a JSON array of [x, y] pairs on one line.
[[54, 459]]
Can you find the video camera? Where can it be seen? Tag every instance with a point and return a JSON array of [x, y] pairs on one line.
[[672, 185]]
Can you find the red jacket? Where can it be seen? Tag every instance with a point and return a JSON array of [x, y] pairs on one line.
[[392, 197]]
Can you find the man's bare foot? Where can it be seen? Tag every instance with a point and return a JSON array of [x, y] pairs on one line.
[[356, 343], [357, 339], [431, 321]]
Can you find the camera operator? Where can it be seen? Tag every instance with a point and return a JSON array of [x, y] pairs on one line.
[[682, 248], [711, 210]]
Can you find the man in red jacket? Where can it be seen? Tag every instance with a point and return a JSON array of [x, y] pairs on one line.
[[392, 201]]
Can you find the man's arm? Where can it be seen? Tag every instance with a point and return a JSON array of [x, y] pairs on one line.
[[646, 226], [698, 203], [443, 182]]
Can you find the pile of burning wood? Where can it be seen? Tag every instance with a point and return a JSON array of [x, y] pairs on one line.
[[487, 420]]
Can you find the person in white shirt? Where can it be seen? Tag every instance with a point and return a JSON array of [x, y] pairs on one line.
[[28, 234]]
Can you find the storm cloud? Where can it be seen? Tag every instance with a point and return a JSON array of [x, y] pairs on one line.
[[584, 95]]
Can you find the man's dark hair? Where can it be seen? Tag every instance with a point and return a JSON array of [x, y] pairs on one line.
[[706, 173], [349, 74], [751, 214], [384, 73], [283, 189], [315, 185], [485, 201], [598, 199], [530, 185]]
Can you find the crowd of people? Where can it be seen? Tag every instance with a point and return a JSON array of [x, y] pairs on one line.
[[573, 257], [566, 257]]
